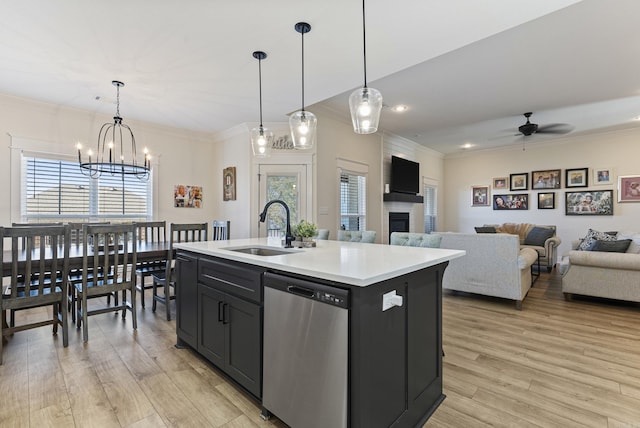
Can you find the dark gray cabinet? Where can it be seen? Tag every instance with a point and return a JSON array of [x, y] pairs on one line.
[[224, 323]]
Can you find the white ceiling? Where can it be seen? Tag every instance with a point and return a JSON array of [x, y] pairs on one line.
[[466, 69]]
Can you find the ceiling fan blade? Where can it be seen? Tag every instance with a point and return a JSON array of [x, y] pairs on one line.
[[555, 128]]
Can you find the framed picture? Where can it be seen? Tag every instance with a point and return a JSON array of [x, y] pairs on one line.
[[602, 176], [578, 177], [547, 179], [629, 188], [511, 202], [229, 184], [480, 196], [500, 183], [519, 181], [546, 201], [185, 196], [589, 203]]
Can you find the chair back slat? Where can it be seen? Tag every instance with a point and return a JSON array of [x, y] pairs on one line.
[[39, 259], [110, 249], [151, 231], [220, 230], [183, 232]]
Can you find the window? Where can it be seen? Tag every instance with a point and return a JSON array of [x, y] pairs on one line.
[[430, 205], [54, 189], [353, 201]]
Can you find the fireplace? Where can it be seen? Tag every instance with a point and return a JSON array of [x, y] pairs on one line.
[[398, 222]]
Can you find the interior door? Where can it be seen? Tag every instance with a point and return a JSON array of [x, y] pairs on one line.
[[289, 184]]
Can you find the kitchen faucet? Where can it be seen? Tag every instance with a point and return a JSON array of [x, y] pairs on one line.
[[263, 216]]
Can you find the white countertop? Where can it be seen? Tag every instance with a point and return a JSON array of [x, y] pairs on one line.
[[351, 263]]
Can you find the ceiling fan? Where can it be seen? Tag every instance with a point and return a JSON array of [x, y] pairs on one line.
[[533, 128]]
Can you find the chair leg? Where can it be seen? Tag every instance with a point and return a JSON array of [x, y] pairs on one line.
[[55, 318], [85, 318], [167, 299], [124, 302], [154, 295], [141, 289], [134, 315]]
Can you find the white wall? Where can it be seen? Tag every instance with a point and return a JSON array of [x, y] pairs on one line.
[[619, 150], [178, 156], [336, 140]]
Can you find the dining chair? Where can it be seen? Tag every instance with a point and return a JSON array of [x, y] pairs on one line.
[[37, 277], [180, 232], [150, 232], [221, 230], [357, 235], [109, 254], [76, 275]]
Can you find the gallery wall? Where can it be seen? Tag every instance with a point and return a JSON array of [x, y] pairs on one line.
[[618, 151]]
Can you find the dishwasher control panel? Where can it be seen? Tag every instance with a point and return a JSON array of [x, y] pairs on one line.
[[327, 294], [331, 298]]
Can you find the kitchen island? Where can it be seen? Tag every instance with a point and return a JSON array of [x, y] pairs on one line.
[[392, 373]]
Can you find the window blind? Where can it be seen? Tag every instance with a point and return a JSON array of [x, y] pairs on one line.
[[55, 189], [430, 208], [353, 203]]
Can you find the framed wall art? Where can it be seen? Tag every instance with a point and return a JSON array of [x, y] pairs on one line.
[[589, 203], [229, 184], [629, 188], [480, 196], [546, 179], [185, 196], [500, 183], [578, 177], [519, 181], [511, 202], [602, 176], [546, 201]]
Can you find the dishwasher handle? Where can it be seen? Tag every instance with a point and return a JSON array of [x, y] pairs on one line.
[[300, 291]]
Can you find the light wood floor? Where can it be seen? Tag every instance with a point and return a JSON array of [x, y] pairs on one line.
[[553, 364]]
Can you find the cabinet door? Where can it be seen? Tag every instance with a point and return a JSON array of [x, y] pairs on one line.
[[187, 298], [213, 316], [244, 343]]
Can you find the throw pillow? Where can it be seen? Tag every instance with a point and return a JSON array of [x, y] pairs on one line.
[[591, 236], [538, 235], [611, 246], [485, 229]]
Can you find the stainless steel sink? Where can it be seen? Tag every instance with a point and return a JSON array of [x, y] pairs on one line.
[[263, 251]]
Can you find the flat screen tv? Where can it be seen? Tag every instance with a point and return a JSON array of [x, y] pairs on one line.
[[405, 176]]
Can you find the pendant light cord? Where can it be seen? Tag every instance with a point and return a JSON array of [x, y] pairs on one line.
[[260, 87], [364, 44], [302, 70]]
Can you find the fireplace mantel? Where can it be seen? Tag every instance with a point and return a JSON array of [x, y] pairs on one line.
[[402, 197]]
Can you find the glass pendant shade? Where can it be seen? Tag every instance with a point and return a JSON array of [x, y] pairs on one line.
[[365, 105], [303, 129], [261, 141]]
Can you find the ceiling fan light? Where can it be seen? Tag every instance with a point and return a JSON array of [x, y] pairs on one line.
[[303, 129], [365, 105], [261, 141]]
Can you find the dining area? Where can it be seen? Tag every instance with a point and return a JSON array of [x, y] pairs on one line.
[[68, 272]]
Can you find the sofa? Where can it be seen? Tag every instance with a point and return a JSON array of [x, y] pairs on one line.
[[495, 265], [591, 271], [541, 238]]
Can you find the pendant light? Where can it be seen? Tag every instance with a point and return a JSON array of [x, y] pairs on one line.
[[365, 103], [110, 154], [261, 137], [303, 123]]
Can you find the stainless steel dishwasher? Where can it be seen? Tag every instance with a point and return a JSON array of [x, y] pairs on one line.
[[306, 354]]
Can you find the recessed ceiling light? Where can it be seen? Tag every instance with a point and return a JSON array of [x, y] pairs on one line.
[[400, 108], [466, 146]]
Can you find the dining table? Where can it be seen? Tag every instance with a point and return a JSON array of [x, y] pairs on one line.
[[145, 251]]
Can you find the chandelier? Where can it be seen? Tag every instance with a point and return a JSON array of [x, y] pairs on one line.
[[110, 155]]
